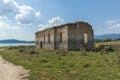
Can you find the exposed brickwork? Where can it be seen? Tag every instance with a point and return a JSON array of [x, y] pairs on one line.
[[71, 36]]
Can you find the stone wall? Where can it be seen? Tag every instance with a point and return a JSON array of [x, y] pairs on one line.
[[39, 36], [72, 36], [42, 38], [46, 39], [76, 36], [64, 43], [49, 39]]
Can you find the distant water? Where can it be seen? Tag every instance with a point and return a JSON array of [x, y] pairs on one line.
[[16, 44]]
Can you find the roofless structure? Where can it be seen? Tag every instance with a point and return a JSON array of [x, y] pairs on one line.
[[71, 36]]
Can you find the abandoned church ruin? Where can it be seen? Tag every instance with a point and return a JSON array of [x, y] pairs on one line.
[[71, 36]]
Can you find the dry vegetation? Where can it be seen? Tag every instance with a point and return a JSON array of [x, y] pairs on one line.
[[103, 63]]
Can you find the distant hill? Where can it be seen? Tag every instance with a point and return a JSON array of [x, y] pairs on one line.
[[104, 36], [15, 41]]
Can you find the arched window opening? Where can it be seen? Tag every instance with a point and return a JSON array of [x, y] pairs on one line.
[[44, 38], [85, 37], [48, 38], [61, 40]]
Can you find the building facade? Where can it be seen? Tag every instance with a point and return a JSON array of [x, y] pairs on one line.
[[71, 36]]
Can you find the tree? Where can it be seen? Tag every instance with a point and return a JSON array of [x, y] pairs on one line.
[[107, 40]]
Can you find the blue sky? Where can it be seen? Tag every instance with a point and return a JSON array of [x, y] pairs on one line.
[[20, 19]]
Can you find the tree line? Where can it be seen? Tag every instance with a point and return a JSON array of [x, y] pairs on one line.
[[106, 40]]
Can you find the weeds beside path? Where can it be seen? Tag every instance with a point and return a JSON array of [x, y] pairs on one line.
[[64, 65], [8, 71]]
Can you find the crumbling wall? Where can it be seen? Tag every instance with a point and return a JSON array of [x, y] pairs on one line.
[[45, 38], [61, 32], [72, 36], [49, 39], [39, 36], [76, 36]]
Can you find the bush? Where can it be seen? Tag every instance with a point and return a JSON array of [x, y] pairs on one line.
[[107, 48], [107, 40]]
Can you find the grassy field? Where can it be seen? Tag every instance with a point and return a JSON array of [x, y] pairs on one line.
[[63, 65], [107, 43]]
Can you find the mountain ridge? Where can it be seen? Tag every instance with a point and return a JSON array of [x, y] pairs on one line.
[[104, 36], [15, 41]]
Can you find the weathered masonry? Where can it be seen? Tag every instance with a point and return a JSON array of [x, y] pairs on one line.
[[71, 36]]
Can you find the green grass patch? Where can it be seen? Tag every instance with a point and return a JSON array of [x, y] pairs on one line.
[[72, 65]]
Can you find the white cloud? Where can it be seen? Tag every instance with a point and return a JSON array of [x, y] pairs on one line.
[[1, 17], [23, 14], [8, 7], [6, 29], [2, 33], [55, 21], [52, 22], [113, 24], [42, 26], [7, 26], [37, 14], [27, 15], [12, 13]]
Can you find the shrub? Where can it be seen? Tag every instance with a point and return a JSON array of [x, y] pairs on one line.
[[86, 65]]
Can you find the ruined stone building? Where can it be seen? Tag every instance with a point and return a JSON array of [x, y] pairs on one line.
[[71, 36]]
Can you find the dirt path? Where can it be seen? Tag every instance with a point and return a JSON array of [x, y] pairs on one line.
[[8, 71]]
